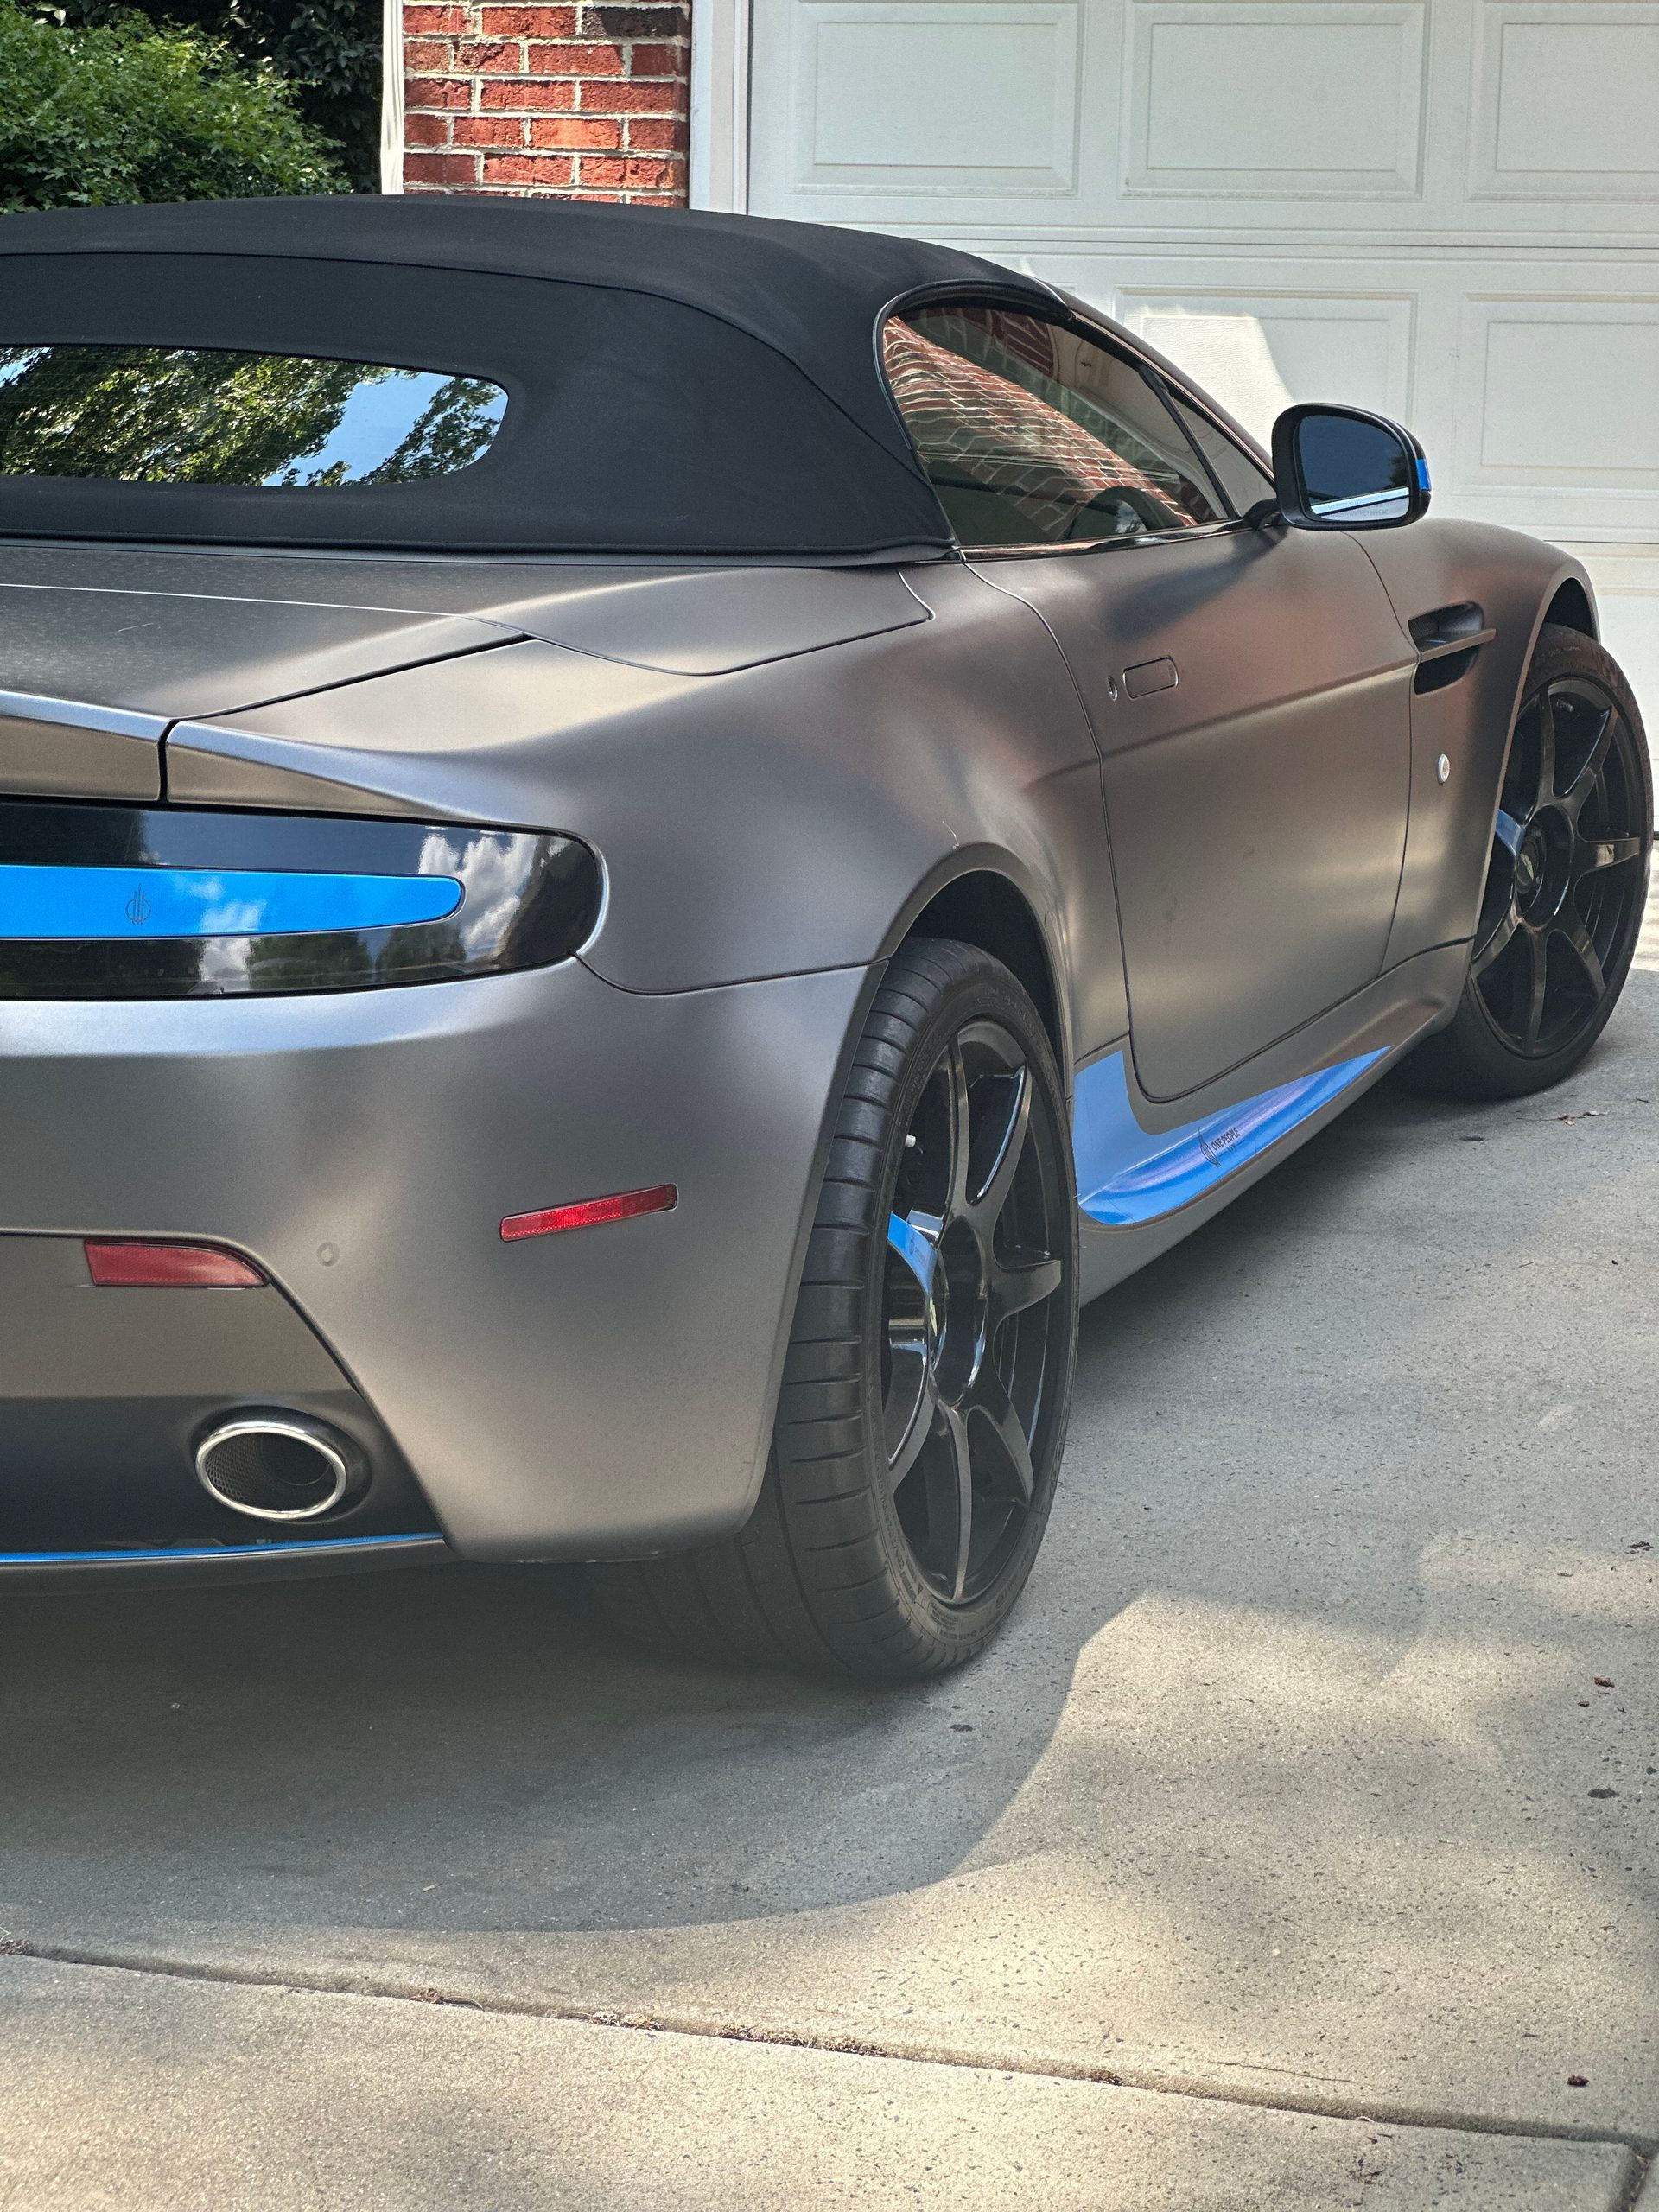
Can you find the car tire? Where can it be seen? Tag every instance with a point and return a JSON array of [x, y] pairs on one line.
[[1566, 883], [927, 1381]]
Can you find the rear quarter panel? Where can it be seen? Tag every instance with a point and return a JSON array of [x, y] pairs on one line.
[[763, 821]]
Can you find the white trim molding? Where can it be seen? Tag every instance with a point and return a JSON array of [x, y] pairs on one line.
[[718, 169], [392, 95]]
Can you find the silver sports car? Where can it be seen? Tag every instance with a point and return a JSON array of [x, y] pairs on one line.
[[636, 847]]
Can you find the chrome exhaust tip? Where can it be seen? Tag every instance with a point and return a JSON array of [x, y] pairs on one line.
[[280, 1467]]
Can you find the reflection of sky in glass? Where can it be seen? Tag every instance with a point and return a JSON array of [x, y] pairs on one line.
[[182, 414], [379, 416], [492, 879]]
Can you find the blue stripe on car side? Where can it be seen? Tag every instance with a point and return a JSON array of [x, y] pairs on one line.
[[1126, 1175], [156, 902], [225, 1552]]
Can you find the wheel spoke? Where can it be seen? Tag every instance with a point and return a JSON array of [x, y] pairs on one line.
[[1494, 944], [1546, 712], [904, 1451], [1594, 855], [960, 1126], [1578, 937], [1509, 832], [1022, 1283], [953, 1493], [1537, 977], [1590, 775], [992, 1404], [1011, 1143]]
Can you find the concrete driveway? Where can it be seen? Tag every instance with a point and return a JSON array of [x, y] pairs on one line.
[[1296, 1848]]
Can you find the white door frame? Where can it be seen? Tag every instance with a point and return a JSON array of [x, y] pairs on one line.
[[718, 165], [392, 95]]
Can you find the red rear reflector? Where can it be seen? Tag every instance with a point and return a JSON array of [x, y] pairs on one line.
[[167, 1267], [591, 1212]]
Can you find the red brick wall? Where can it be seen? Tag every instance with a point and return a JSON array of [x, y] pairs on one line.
[[586, 100]]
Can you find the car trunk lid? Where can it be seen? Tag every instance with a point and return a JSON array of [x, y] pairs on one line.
[[90, 679]]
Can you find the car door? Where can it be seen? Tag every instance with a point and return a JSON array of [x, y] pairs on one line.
[[1250, 687]]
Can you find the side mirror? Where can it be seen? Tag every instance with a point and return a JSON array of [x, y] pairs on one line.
[[1339, 468]]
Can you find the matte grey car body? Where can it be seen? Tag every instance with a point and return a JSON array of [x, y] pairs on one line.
[[1260, 862]]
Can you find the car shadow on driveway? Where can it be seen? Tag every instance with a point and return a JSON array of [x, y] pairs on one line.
[[1259, 1465]]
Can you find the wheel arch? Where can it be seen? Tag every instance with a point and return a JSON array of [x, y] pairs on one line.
[[984, 905], [1569, 605], [1571, 608], [1568, 602]]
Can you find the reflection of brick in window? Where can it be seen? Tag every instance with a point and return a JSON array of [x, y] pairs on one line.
[[997, 433]]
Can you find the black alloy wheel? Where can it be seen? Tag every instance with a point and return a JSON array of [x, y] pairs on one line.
[[927, 1382], [1566, 884], [1567, 878], [971, 1276]]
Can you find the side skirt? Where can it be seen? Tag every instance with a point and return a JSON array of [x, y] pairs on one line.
[[1149, 1173]]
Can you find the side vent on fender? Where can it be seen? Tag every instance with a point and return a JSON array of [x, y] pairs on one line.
[[1447, 641]]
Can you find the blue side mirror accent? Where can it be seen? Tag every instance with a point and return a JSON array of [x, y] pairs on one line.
[[1422, 474]]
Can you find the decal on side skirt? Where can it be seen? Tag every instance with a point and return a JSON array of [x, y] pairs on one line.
[[1126, 1175]]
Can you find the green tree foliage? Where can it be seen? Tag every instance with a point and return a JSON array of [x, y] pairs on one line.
[[140, 415], [452, 431], [148, 414], [327, 52], [123, 112]]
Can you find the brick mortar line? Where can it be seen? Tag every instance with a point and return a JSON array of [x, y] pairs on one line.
[[345, 1982], [579, 98]]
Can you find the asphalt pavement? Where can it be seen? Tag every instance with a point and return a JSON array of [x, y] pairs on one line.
[[1296, 1848]]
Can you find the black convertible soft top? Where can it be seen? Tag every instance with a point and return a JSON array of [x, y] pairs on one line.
[[679, 383]]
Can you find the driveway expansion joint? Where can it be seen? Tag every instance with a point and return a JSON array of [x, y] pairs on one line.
[[1051, 2066]]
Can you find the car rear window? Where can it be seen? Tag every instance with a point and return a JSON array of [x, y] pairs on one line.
[[188, 414]]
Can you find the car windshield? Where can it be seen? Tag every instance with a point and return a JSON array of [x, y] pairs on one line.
[[184, 414]]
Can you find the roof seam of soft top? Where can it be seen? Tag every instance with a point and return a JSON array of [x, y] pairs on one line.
[[908, 552]]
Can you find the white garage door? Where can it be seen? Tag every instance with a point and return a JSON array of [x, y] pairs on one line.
[[1448, 212]]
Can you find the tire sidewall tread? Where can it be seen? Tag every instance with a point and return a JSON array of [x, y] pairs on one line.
[[821, 1576]]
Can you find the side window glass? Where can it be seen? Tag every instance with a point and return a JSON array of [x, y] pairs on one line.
[[1032, 436], [1244, 481]]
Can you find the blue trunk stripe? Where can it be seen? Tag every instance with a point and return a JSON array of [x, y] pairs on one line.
[[151, 902], [1126, 1175]]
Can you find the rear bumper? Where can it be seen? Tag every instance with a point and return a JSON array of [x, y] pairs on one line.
[[599, 1394]]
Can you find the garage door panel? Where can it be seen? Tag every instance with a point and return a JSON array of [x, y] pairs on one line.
[[1559, 394], [858, 127], [1259, 100], [1564, 101], [1260, 351]]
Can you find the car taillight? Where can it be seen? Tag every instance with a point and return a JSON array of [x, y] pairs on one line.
[[158, 902]]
